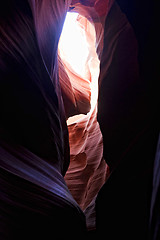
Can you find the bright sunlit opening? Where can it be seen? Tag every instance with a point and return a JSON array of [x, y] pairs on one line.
[[75, 48], [73, 45]]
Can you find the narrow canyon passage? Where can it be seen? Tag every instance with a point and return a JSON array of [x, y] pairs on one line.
[[87, 170]]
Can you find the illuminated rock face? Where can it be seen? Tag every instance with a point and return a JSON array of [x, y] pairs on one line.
[[87, 170]]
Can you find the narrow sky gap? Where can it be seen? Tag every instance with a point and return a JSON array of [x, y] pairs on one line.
[[73, 44], [80, 53]]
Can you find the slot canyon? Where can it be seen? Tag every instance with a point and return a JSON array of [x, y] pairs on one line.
[[79, 122]]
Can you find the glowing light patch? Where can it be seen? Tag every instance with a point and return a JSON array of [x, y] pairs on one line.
[[77, 51], [73, 44]]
